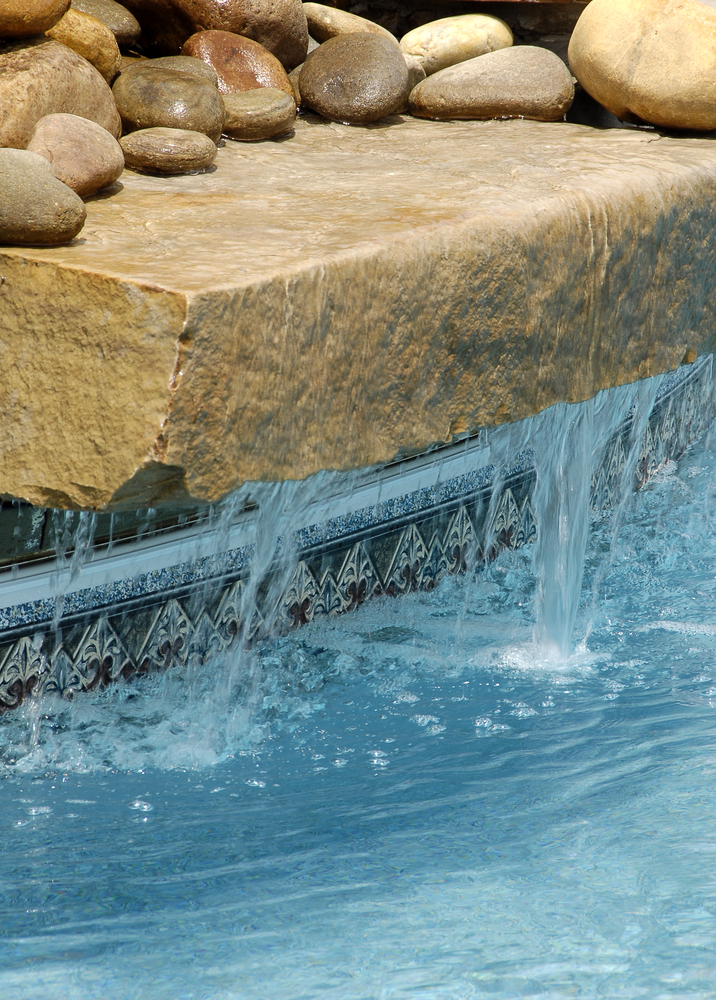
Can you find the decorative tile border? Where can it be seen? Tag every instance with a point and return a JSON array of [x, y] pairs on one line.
[[411, 548]]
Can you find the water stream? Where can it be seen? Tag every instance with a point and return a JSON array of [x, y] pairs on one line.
[[502, 788]]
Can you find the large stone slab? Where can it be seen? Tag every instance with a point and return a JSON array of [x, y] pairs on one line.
[[345, 297]]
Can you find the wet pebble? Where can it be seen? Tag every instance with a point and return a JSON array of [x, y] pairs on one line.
[[451, 40], [123, 25], [150, 97], [239, 63], [258, 114], [23, 18], [355, 78], [168, 151], [185, 64], [83, 155], [91, 39], [520, 82], [42, 210]]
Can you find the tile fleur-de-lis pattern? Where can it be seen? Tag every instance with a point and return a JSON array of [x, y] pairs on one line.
[[405, 554]]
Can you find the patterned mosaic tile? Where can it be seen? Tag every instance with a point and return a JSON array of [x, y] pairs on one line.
[[403, 546]]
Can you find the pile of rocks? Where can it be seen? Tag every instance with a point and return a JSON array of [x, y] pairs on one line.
[[89, 86]]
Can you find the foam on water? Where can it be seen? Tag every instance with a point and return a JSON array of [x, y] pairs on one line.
[[411, 801]]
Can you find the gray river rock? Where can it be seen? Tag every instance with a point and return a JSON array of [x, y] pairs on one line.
[[355, 78], [258, 114], [42, 211], [123, 25]]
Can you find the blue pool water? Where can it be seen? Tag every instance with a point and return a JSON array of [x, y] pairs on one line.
[[407, 802]]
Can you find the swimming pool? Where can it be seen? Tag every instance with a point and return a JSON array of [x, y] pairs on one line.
[[404, 802]]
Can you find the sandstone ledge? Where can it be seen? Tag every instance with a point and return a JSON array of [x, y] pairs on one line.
[[344, 297]]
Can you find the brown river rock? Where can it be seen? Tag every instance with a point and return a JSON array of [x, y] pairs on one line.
[[356, 78], [239, 63], [91, 39], [123, 25], [42, 211], [168, 151], [327, 22], [185, 64], [148, 97], [23, 18], [83, 155], [278, 25], [41, 77], [520, 82]]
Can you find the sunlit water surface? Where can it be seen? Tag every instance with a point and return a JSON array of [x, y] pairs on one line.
[[404, 802]]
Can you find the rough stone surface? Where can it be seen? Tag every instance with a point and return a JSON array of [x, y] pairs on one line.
[[258, 114], [168, 151], [335, 300], [327, 22], [278, 25], [356, 78], [41, 77], [123, 25], [162, 98], [239, 63], [23, 18], [185, 64], [83, 155], [35, 207], [520, 82], [91, 39], [451, 40], [651, 60]]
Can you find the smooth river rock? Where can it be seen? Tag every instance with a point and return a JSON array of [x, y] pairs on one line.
[[650, 60], [23, 18], [83, 155], [451, 40], [186, 64], [148, 97], [41, 77], [327, 22], [42, 210], [239, 63], [91, 39], [520, 82], [168, 151], [279, 25], [258, 114], [123, 25], [355, 78]]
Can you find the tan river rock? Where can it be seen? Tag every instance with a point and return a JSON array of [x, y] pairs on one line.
[[83, 155], [520, 82], [41, 77], [327, 22], [91, 39], [451, 40], [168, 151], [23, 18], [650, 60]]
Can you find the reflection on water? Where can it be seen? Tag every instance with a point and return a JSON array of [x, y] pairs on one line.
[[409, 801]]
